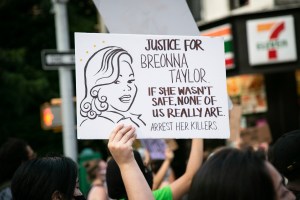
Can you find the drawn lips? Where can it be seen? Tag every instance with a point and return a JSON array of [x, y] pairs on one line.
[[125, 98]]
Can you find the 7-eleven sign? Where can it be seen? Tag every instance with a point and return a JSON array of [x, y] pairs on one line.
[[225, 32], [271, 40]]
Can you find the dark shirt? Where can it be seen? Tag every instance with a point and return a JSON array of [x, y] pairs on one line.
[[297, 194]]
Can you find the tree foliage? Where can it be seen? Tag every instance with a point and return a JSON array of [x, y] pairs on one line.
[[27, 27]]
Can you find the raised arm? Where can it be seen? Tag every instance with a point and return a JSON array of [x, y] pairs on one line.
[[182, 185], [120, 146], [159, 176]]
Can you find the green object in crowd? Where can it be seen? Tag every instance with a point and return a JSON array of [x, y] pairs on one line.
[[86, 154]]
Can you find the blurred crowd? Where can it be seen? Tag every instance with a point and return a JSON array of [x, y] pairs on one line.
[[231, 172]]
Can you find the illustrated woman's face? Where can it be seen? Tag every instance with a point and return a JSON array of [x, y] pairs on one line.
[[121, 93]]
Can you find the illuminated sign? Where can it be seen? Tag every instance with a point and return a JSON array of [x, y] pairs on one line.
[[224, 31], [271, 40], [50, 116]]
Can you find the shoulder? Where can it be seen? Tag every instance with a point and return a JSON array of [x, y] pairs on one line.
[[97, 192], [164, 193]]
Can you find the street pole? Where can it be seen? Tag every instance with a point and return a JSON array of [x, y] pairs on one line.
[[101, 24], [65, 80]]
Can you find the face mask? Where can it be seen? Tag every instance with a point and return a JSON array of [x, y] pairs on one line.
[[80, 197]]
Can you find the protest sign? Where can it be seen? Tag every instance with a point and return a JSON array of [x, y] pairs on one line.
[[156, 148], [166, 86]]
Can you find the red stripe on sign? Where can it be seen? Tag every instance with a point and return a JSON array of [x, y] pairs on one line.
[[276, 32], [272, 54], [228, 61]]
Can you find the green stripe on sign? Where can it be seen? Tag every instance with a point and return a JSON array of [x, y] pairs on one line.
[[228, 46]]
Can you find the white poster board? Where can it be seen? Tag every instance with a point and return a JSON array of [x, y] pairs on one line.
[[166, 86], [271, 40], [163, 17]]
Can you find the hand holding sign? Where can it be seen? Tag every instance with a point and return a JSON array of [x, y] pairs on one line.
[[120, 144]]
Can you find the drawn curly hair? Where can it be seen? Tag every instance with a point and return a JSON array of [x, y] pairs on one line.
[[102, 68]]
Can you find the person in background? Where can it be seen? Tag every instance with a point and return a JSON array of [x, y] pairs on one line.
[[55, 177], [233, 174], [96, 170], [176, 190], [284, 154], [12, 154], [47, 178], [145, 155], [162, 171]]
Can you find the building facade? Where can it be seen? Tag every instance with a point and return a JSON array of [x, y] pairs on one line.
[[262, 51]]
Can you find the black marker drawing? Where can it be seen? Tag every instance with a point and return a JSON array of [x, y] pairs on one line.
[[110, 88]]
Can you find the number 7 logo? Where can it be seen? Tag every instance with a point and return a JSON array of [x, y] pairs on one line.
[[272, 52]]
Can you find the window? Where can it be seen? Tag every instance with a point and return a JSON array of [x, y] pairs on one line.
[[234, 4]]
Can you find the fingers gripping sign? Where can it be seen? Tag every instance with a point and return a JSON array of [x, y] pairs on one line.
[[120, 143]]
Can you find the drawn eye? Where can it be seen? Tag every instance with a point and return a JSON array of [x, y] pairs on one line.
[[131, 81], [116, 82]]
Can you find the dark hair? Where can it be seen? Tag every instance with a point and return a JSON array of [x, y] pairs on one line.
[[155, 165], [285, 155], [115, 186], [38, 179], [12, 154], [232, 174]]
